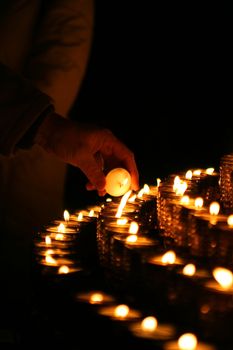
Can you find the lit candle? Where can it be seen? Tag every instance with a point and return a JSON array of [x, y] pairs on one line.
[[150, 328], [222, 282], [187, 341], [121, 312], [61, 228], [167, 259], [191, 271], [118, 182], [95, 297]]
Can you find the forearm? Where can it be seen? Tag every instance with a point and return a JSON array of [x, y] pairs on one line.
[[61, 47], [21, 104]]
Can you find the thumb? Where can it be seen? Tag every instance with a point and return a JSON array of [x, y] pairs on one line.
[[93, 171]]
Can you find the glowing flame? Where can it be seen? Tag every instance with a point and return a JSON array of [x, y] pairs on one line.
[[197, 172], [158, 181], [49, 252], [48, 240], [223, 276], [176, 182], [187, 341], [50, 260], [80, 216], [96, 298], [91, 213], [230, 220], [214, 208], [189, 269], [131, 239], [121, 311], [141, 193], [61, 228], [122, 204], [66, 215], [59, 237], [169, 257], [149, 324], [109, 200], [209, 171], [122, 221], [146, 189], [179, 186], [132, 198], [185, 200], [63, 269], [133, 228], [189, 175], [198, 203]]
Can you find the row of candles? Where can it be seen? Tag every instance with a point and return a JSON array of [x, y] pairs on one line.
[[65, 245], [199, 226], [145, 329], [128, 232]]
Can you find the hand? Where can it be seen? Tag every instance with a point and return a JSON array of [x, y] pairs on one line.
[[92, 149]]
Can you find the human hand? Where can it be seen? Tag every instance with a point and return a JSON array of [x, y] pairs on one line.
[[92, 149]]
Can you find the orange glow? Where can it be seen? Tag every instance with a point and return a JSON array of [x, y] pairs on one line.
[[133, 228], [121, 311], [223, 276], [122, 204], [169, 257]]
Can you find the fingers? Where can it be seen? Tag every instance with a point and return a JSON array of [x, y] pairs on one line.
[[93, 171], [125, 156], [90, 187]]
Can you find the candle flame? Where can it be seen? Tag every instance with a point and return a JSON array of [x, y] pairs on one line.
[[179, 186], [214, 208], [230, 220], [189, 269], [146, 189], [198, 203], [80, 216], [96, 298], [91, 213], [141, 193], [48, 240], [122, 221], [132, 198], [121, 311], [187, 341], [197, 172], [122, 204], [49, 252], [59, 237], [189, 175], [169, 257], [158, 182], [223, 276], [209, 171], [133, 228], [66, 215], [50, 260], [63, 269], [131, 239], [61, 228], [185, 200], [149, 324]]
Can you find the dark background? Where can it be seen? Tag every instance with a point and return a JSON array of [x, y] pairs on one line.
[[160, 77]]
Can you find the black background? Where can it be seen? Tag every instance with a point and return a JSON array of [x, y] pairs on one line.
[[160, 77]]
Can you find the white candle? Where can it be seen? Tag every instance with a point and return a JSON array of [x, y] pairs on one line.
[[149, 328], [118, 182], [120, 312], [94, 297]]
